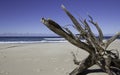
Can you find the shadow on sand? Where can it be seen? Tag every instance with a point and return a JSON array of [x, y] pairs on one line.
[[91, 71], [98, 71]]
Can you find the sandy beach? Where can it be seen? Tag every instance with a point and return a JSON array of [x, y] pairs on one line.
[[41, 58]]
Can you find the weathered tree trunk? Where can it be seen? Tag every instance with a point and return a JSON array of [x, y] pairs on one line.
[[97, 49], [84, 65]]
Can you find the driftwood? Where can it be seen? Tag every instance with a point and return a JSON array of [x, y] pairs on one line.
[[108, 61]]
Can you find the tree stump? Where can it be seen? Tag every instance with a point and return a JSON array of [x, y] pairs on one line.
[[107, 60]]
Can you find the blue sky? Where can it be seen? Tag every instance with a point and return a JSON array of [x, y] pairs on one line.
[[23, 16]]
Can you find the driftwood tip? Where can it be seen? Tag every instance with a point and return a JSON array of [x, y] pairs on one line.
[[42, 20], [63, 7]]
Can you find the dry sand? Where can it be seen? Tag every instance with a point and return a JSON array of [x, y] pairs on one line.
[[41, 58]]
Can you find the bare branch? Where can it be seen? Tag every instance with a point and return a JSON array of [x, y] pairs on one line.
[[70, 33], [113, 38], [98, 28], [69, 25], [86, 63], [75, 59], [89, 37], [81, 30], [92, 39], [75, 22], [58, 30], [90, 31], [90, 17]]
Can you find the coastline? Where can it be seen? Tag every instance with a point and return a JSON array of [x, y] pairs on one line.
[[41, 58]]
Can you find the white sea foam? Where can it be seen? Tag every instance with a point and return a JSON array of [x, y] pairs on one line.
[[42, 41], [20, 42]]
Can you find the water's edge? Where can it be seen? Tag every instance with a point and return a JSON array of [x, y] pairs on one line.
[[33, 39]]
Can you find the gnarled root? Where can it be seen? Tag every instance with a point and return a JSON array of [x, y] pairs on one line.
[[85, 64]]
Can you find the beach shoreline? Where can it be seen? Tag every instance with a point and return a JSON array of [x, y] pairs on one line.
[[41, 58]]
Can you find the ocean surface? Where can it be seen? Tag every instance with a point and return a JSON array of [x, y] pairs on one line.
[[34, 39], [31, 39]]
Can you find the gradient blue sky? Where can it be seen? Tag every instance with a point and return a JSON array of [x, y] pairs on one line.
[[23, 16]]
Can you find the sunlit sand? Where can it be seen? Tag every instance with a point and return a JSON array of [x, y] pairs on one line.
[[42, 58]]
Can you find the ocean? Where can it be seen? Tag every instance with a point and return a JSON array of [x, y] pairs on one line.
[[34, 39], [31, 39]]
